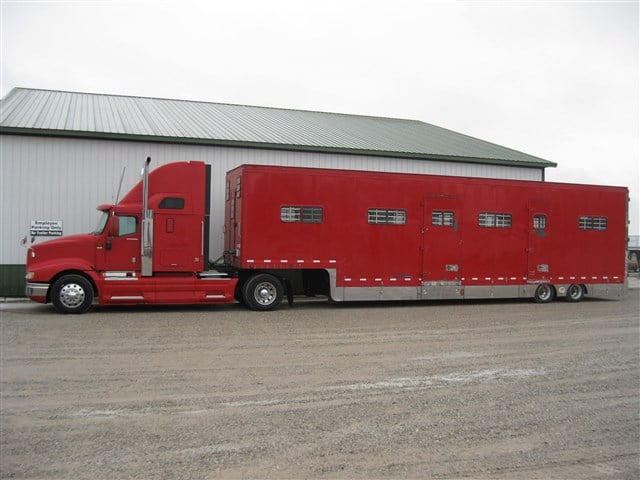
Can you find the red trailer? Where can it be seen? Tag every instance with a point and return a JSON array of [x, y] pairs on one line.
[[349, 235], [388, 236]]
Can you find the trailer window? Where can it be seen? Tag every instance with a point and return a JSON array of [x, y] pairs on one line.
[[386, 216], [539, 222], [294, 214], [441, 218], [592, 223], [494, 220], [238, 184]]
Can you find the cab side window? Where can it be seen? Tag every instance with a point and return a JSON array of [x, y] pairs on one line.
[[127, 225]]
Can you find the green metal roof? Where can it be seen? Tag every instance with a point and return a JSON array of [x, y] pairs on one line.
[[72, 114]]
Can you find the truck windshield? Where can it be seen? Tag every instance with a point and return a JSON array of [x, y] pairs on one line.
[[101, 223]]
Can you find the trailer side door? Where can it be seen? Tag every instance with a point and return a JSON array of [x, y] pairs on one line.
[[539, 242], [441, 250]]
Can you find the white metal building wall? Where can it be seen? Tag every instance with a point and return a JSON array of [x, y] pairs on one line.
[[47, 178]]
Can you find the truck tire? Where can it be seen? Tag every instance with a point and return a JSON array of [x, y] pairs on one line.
[[575, 293], [72, 294], [263, 292], [544, 293]]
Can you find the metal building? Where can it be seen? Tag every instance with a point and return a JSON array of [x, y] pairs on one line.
[[63, 153]]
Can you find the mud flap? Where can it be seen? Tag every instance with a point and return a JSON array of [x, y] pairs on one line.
[[289, 288]]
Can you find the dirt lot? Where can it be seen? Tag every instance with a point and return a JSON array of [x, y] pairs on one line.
[[505, 389]]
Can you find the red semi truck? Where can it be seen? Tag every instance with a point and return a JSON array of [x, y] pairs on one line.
[[349, 235]]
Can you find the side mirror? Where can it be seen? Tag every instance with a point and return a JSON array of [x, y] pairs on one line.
[[113, 227]]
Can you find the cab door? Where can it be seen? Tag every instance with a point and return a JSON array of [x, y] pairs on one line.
[[119, 249]]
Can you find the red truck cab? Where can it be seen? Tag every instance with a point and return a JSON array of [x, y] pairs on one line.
[[107, 266]]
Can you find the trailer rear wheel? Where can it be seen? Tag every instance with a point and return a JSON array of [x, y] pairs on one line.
[[544, 293], [575, 293], [72, 294], [263, 292]]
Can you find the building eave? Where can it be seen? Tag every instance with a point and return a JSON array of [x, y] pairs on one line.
[[539, 163]]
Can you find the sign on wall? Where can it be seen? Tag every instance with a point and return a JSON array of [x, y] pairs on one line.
[[46, 228]]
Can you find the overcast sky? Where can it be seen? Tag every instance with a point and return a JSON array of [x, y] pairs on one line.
[[558, 80]]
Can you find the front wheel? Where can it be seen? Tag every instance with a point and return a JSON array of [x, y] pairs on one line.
[[72, 294], [544, 293], [263, 292]]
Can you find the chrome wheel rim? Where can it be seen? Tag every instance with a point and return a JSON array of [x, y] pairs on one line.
[[265, 293], [544, 293], [575, 291], [72, 295]]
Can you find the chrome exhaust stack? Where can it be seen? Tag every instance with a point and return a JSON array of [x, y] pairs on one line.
[[147, 225]]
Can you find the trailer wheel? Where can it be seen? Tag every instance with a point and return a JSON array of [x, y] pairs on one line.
[[544, 293], [72, 294], [263, 292], [575, 293]]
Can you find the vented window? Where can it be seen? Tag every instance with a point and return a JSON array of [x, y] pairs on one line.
[[539, 222], [494, 220], [295, 214], [592, 223], [441, 218], [385, 216]]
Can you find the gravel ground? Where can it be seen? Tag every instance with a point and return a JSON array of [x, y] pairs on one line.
[[506, 390]]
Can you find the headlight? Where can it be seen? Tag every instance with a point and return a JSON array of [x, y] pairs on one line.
[[30, 275]]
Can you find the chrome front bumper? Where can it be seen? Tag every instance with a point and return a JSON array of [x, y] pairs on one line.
[[36, 290]]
